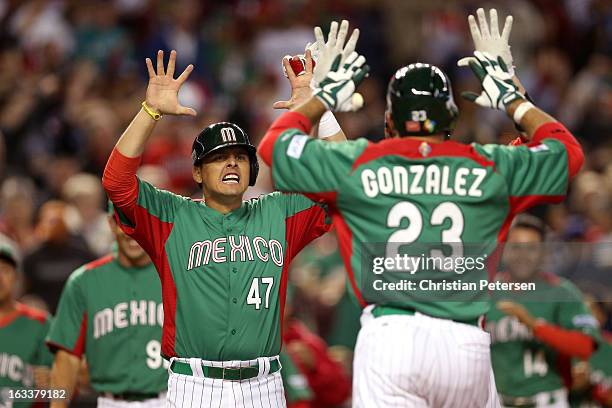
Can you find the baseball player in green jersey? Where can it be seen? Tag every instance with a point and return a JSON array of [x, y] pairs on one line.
[[24, 359], [591, 382], [110, 312], [222, 261], [531, 333], [418, 187]]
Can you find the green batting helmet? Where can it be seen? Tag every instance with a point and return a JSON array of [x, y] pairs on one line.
[[220, 135], [420, 101]]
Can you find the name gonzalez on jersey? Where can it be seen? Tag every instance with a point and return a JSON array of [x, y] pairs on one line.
[[421, 179]]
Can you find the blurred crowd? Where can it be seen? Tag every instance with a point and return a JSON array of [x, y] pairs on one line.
[[72, 75]]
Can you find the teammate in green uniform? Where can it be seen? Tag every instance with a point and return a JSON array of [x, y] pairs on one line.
[[222, 261], [22, 340], [110, 312], [532, 332], [592, 379], [418, 187]]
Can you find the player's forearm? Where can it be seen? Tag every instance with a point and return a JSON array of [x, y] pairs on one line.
[[329, 129], [64, 376], [313, 109], [539, 126], [133, 141], [288, 120], [531, 120]]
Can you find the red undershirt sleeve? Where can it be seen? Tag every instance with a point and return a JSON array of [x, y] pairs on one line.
[[120, 183], [572, 343]]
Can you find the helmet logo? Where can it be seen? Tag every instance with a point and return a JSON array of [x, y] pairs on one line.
[[228, 134], [429, 125], [425, 149]]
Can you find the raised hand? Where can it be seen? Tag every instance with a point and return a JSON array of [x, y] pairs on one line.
[[300, 84], [498, 89], [326, 51], [337, 89], [162, 90], [487, 38]]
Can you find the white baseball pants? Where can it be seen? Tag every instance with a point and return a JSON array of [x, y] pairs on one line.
[[264, 391], [422, 362], [104, 402]]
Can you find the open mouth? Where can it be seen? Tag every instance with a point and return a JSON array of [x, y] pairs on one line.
[[231, 178]]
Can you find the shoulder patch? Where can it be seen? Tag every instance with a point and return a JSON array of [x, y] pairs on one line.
[[585, 320], [296, 146]]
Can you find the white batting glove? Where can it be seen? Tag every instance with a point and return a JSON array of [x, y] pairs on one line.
[[487, 38], [325, 52], [337, 89], [498, 89]]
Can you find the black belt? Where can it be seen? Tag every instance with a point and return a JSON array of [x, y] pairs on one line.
[[131, 396]]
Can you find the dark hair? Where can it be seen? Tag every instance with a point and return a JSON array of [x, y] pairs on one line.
[[530, 222]]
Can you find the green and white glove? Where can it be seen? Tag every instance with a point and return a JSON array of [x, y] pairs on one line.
[[337, 89], [325, 53], [498, 89], [487, 38]]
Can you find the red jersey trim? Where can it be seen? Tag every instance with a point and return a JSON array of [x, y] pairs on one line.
[[409, 148], [79, 346], [169, 301], [22, 310], [99, 262], [300, 229], [345, 238]]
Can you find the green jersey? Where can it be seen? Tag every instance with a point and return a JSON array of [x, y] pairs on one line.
[[22, 347], [403, 193], [523, 365], [295, 383], [223, 276], [600, 376], [113, 315]]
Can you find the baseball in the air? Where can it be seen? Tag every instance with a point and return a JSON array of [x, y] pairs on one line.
[[357, 101]]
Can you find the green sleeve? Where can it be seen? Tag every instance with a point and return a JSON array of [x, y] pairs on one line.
[[154, 212], [65, 331], [155, 202], [539, 172], [312, 166], [43, 356], [296, 384], [574, 314]]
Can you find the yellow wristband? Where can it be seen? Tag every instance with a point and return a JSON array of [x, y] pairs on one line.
[[151, 112]]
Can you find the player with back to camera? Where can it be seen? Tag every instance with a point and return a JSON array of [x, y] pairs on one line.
[[222, 261], [110, 313], [412, 352]]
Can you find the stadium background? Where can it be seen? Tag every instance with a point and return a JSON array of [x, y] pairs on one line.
[[72, 75]]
